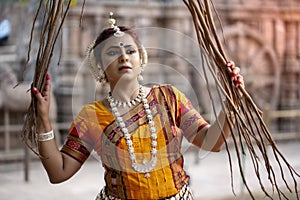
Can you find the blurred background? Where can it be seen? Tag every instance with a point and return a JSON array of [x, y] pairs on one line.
[[261, 36]]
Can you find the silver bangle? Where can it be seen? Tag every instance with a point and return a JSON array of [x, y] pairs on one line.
[[42, 137]]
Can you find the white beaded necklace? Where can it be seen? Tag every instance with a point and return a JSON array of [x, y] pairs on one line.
[[144, 167], [130, 103]]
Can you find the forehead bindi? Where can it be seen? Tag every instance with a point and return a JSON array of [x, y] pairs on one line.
[[124, 41]]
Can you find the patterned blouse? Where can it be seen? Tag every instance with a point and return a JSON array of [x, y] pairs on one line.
[[96, 129]]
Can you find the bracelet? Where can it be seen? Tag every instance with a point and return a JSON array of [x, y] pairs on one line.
[[42, 137]]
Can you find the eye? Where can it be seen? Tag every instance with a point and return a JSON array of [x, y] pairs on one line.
[[131, 51], [112, 53]]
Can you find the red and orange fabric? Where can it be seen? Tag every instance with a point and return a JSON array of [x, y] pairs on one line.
[[95, 129]]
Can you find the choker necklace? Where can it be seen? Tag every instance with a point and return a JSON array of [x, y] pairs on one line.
[[130, 103], [146, 166]]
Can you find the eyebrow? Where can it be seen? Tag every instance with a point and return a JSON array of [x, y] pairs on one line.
[[125, 46]]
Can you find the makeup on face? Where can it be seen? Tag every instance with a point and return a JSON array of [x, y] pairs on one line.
[[116, 45], [120, 54], [121, 49]]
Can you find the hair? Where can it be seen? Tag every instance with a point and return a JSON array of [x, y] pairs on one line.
[[107, 33]]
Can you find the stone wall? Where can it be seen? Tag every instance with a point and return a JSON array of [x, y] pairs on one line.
[[261, 36], [277, 23]]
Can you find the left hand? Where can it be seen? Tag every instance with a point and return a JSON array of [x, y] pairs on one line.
[[236, 78]]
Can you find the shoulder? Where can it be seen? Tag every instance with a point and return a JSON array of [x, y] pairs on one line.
[[90, 106], [167, 91], [92, 109], [168, 87]]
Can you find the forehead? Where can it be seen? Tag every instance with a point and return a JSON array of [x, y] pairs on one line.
[[116, 41]]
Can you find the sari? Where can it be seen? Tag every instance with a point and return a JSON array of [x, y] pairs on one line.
[[95, 129]]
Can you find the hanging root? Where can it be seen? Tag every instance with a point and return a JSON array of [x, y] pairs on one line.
[[53, 16], [250, 131]]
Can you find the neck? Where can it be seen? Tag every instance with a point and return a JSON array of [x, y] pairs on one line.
[[125, 91]]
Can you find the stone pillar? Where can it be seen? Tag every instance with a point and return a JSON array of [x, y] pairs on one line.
[[279, 41], [290, 68], [268, 30], [67, 93], [175, 42], [289, 98]]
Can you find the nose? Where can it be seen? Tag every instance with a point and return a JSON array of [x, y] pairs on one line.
[[123, 57]]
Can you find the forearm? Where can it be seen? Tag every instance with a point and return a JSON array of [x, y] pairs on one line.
[[213, 137], [50, 156], [218, 132], [52, 160], [59, 166]]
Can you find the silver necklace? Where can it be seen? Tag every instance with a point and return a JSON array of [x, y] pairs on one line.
[[130, 103], [146, 166]]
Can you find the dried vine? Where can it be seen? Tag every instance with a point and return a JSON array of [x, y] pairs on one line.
[[251, 130], [53, 15]]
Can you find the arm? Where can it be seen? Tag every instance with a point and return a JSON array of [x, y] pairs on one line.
[[210, 138], [59, 166]]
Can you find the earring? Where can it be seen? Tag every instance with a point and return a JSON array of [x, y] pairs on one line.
[[95, 70], [144, 54], [140, 77], [144, 60]]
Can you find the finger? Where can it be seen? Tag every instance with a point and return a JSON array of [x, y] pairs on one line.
[[37, 93], [239, 81], [230, 64], [240, 77], [236, 70], [46, 91], [47, 84], [235, 73], [232, 77]]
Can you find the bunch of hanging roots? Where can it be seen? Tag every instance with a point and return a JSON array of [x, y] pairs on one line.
[[251, 136], [251, 132], [53, 14]]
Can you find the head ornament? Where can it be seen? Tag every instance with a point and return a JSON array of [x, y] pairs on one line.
[[95, 69], [111, 23]]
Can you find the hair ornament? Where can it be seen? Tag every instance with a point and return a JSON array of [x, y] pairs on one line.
[[111, 24], [111, 21]]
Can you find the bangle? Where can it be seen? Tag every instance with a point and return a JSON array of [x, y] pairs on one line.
[[42, 137]]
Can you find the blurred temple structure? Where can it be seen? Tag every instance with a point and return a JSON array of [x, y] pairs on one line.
[[261, 36]]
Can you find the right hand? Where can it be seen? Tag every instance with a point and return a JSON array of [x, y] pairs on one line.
[[236, 77], [43, 100]]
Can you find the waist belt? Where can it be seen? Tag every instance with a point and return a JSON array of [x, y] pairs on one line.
[[183, 194]]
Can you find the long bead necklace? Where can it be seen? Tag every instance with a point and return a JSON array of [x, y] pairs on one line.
[[144, 167]]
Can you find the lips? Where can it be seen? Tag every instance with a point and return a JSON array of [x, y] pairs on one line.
[[124, 68]]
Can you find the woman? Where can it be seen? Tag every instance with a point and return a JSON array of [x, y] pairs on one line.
[[136, 130]]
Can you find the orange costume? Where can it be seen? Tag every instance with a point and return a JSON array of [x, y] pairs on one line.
[[95, 128]]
